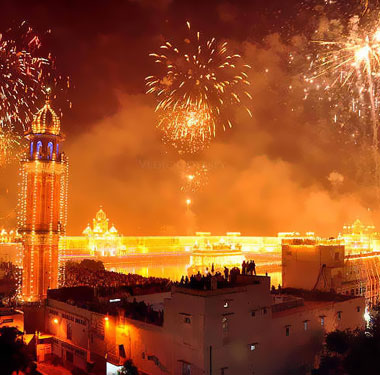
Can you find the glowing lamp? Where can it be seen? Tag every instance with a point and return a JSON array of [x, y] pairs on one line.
[[106, 318], [55, 321]]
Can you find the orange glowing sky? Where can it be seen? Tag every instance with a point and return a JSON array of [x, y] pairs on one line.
[[285, 169]]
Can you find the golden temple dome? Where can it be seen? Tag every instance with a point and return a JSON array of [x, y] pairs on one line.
[[113, 230], [46, 121], [101, 215]]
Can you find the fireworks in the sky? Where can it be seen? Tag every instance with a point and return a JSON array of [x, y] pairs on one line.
[[194, 176], [349, 64], [10, 146], [199, 84], [25, 78], [20, 77]]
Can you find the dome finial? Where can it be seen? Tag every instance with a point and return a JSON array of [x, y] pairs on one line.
[[46, 121], [47, 95]]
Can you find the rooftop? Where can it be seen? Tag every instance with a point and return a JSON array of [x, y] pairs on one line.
[[215, 285], [88, 298], [6, 311], [314, 295], [291, 300]]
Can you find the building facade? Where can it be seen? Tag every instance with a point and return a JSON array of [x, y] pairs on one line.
[[103, 240], [43, 204], [320, 264], [10, 317], [235, 329]]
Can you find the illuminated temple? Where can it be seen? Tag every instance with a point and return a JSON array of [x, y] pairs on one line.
[[206, 256], [103, 240], [359, 238]]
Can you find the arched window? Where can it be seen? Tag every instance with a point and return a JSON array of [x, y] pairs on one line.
[[39, 146], [50, 150], [31, 149], [57, 150]]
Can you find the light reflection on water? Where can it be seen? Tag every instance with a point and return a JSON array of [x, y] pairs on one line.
[[172, 271]]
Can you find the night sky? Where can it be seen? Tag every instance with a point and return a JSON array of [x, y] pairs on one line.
[[285, 169]]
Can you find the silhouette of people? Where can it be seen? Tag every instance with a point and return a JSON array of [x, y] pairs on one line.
[[243, 267], [226, 273]]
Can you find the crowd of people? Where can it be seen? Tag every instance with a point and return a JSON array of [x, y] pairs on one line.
[[92, 274], [78, 275], [215, 280], [248, 268]]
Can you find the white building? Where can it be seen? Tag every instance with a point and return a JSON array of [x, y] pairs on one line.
[[238, 328]]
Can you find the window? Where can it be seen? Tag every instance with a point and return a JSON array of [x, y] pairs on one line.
[[224, 371], [253, 346], [69, 331], [186, 318], [265, 311], [339, 315], [50, 149], [306, 325], [253, 313], [69, 356], [225, 324], [322, 321], [31, 149], [358, 308], [39, 146], [287, 331], [186, 368]]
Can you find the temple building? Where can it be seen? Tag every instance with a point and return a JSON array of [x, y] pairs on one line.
[[360, 238], [43, 204], [102, 240]]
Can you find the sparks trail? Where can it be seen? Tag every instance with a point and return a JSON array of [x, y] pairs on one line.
[[194, 176], [25, 78], [10, 146], [20, 76], [199, 84], [350, 65]]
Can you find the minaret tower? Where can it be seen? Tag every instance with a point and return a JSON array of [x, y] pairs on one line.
[[43, 204]]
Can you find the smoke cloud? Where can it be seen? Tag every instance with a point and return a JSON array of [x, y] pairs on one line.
[[285, 169]]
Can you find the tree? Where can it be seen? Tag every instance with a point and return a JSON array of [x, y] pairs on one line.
[[128, 368], [13, 352], [353, 352]]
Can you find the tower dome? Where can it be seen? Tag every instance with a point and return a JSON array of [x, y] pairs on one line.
[[46, 121]]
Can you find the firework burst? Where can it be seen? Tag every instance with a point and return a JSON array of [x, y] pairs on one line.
[[194, 176], [20, 76], [199, 83], [348, 66]]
